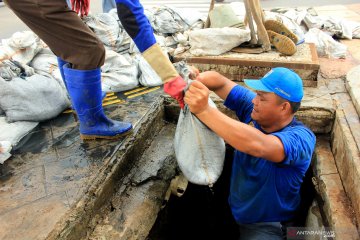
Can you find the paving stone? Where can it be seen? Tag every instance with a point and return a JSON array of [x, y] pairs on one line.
[[331, 68], [34, 220], [351, 115], [21, 189], [63, 175], [324, 162], [353, 46], [336, 85], [338, 11], [346, 154], [337, 207], [353, 86]]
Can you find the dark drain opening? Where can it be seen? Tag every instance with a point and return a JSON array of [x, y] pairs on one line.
[[204, 213]]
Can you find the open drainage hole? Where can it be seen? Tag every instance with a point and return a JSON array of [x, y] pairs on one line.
[[204, 213]]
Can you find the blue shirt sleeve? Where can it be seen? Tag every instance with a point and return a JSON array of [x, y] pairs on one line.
[[299, 145], [239, 100]]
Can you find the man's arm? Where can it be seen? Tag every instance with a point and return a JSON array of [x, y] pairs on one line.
[[239, 135], [217, 83]]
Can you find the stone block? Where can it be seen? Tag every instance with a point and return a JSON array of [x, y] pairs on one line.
[[353, 86], [346, 154]]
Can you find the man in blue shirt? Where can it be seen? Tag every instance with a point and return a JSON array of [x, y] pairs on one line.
[[271, 157]]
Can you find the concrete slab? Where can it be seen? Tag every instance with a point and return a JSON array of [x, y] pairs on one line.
[[34, 220], [331, 68], [338, 11], [346, 154], [353, 87]]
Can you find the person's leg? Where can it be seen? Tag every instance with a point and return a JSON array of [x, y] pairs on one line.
[[107, 5], [80, 54], [62, 30], [261, 231]]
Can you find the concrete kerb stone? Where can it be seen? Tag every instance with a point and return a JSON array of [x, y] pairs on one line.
[[347, 159], [336, 205], [353, 86]]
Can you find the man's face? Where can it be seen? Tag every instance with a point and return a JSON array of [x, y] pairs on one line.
[[267, 108]]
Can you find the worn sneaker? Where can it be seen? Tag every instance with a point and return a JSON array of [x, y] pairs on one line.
[[282, 43], [280, 28]]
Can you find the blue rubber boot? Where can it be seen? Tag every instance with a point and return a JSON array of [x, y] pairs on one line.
[[84, 87], [61, 64]]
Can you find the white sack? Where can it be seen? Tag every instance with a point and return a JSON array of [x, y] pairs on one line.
[[148, 77], [326, 46], [118, 73], [5, 148], [45, 63], [9, 70], [200, 152], [21, 47], [167, 20], [109, 31], [36, 98], [216, 41], [11, 134]]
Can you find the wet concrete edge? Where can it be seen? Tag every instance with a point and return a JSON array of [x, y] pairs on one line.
[[76, 223]]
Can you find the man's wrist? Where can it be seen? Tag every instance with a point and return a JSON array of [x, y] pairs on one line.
[[204, 112]]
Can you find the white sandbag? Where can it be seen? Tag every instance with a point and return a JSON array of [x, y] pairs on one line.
[[108, 30], [5, 148], [11, 134], [147, 76], [21, 47], [45, 63], [326, 46], [333, 26], [167, 21], [14, 132], [36, 98], [221, 40], [190, 16], [224, 16], [118, 73], [8, 70], [200, 153]]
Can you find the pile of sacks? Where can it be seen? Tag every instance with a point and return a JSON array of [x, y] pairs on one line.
[[31, 88]]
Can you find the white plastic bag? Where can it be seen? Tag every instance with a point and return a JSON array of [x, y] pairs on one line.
[[148, 77], [200, 152], [118, 73], [11, 134], [326, 46], [222, 40], [36, 98]]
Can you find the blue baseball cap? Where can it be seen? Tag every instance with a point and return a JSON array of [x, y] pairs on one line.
[[281, 81]]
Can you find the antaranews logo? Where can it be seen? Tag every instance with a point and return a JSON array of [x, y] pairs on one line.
[[305, 233]]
